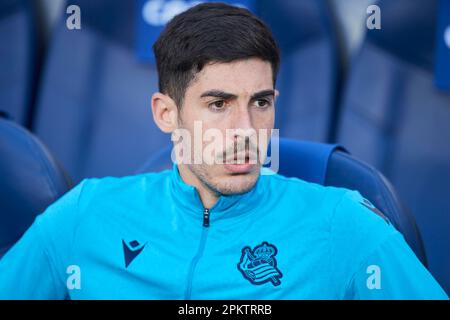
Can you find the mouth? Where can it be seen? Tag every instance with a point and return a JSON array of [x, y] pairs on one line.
[[240, 165]]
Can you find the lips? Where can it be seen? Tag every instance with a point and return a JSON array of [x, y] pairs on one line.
[[238, 166]]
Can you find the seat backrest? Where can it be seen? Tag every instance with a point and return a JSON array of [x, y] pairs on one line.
[[309, 72], [402, 118], [19, 52], [30, 181], [332, 165], [94, 109]]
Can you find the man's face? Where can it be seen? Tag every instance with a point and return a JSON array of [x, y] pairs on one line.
[[223, 97]]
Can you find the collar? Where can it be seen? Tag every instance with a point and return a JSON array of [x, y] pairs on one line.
[[227, 206]]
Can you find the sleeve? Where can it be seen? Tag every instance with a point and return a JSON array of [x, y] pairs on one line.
[[392, 271], [372, 259], [34, 268]]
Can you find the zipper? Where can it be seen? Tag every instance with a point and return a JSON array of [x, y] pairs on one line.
[[206, 217], [198, 255]]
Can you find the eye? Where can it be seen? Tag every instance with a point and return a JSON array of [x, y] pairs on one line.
[[217, 105], [262, 103]]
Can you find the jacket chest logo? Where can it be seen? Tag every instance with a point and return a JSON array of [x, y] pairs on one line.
[[260, 265], [131, 250]]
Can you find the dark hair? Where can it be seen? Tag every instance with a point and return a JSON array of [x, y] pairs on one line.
[[209, 32]]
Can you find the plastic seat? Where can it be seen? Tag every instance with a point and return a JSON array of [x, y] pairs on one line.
[[19, 54], [94, 109], [310, 67], [396, 118], [31, 179]]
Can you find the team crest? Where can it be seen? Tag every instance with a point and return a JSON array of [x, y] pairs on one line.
[[260, 265]]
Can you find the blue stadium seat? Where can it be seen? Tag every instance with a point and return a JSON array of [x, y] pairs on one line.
[[331, 165], [309, 73], [94, 108], [395, 118], [30, 181], [19, 53]]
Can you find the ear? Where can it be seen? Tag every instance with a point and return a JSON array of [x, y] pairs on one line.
[[277, 93], [165, 112]]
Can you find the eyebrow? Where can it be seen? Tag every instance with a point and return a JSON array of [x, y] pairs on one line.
[[263, 94], [218, 94], [227, 96]]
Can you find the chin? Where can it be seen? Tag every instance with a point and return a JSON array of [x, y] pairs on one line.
[[237, 184]]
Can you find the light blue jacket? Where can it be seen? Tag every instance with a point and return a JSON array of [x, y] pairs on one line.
[[149, 237]]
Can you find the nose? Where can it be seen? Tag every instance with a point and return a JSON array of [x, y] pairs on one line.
[[242, 118], [244, 134]]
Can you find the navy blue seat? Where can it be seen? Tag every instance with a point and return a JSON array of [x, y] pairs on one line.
[[31, 180], [94, 109], [331, 165], [309, 73], [19, 54], [395, 118]]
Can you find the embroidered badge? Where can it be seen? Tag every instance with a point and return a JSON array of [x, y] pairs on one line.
[[260, 265]]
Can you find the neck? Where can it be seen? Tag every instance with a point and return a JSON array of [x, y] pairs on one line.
[[207, 196]]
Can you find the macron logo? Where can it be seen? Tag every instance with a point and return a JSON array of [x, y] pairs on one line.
[[131, 250]]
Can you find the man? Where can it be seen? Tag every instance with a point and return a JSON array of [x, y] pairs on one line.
[[221, 229]]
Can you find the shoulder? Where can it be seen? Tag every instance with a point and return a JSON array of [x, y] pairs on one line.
[[301, 193], [278, 181], [358, 217], [92, 196], [358, 230], [108, 188], [346, 213]]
